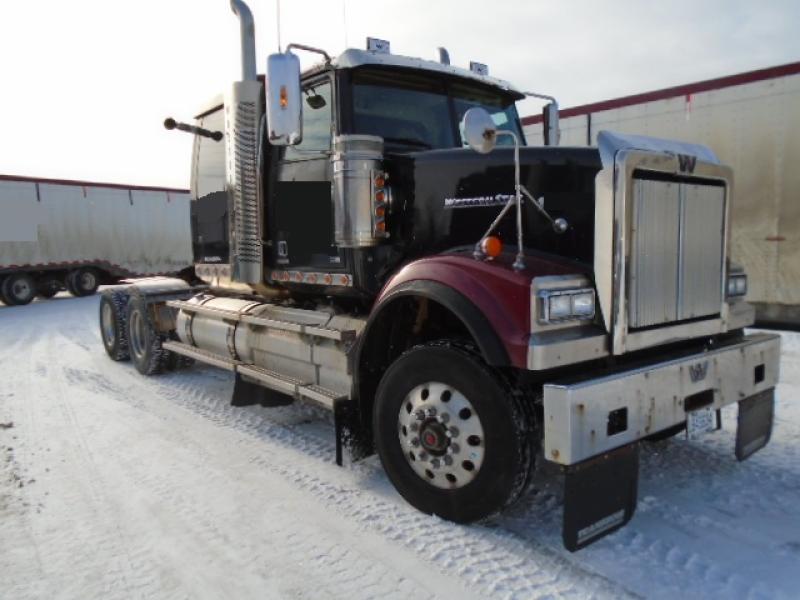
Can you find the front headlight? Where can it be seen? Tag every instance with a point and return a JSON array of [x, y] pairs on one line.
[[737, 284], [566, 305]]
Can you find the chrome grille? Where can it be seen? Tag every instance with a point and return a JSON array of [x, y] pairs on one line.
[[676, 260]]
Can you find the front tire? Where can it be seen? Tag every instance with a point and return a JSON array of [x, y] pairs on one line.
[[451, 433], [18, 289], [114, 324], [144, 342]]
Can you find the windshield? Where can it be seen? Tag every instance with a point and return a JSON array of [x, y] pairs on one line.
[[422, 113]]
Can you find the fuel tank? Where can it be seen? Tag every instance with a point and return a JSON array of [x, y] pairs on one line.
[[448, 198]]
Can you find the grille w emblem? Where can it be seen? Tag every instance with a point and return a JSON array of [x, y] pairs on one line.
[[698, 372]]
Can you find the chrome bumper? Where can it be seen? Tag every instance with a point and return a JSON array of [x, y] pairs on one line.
[[585, 418]]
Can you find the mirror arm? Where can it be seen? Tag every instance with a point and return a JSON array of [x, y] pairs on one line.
[[310, 49]]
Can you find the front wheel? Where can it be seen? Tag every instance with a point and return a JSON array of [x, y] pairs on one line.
[[18, 289], [452, 435]]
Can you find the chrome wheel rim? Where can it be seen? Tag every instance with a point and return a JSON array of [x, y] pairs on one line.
[[107, 321], [441, 435], [137, 340]]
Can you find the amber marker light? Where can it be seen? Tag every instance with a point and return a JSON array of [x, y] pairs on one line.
[[491, 246], [284, 97], [380, 182]]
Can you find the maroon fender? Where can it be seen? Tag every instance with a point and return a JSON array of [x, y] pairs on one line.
[[500, 294]]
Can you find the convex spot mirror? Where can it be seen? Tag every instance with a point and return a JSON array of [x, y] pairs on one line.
[[315, 101], [480, 132], [284, 100]]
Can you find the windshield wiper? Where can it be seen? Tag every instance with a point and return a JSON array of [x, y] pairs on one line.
[[408, 142]]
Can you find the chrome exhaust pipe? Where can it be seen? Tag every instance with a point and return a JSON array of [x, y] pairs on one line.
[[248, 34]]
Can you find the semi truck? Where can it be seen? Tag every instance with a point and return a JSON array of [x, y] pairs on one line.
[[374, 237], [60, 234], [752, 120]]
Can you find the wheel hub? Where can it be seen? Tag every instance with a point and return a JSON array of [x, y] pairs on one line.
[[433, 437], [441, 435]]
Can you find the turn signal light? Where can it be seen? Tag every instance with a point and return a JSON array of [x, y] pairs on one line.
[[491, 246], [284, 97], [380, 196], [380, 182]]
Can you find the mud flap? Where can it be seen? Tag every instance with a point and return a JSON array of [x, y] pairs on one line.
[[754, 427], [599, 496], [349, 431], [247, 393]]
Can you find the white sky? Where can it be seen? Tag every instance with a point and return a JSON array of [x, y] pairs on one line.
[[86, 84]]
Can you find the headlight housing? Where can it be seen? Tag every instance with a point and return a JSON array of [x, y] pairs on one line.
[[566, 305], [737, 285]]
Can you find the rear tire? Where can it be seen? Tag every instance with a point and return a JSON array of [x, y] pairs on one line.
[[452, 434], [18, 289], [114, 324], [83, 282], [144, 342]]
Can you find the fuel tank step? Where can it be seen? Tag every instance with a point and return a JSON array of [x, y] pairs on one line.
[[203, 356], [311, 329], [291, 386]]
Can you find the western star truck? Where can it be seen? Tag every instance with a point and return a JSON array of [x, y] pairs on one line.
[[374, 237], [57, 234]]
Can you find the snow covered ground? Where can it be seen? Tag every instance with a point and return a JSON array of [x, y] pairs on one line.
[[117, 486]]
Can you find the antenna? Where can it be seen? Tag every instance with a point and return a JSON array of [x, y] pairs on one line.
[[278, 21], [344, 21]]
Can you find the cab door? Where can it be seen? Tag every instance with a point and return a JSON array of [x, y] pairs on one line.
[[300, 196]]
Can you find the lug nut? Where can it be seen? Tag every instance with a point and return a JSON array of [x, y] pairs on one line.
[[414, 426], [444, 418], [448, 460], [435, 463], [453, 449], [415, 442], [452, 432], [423, 455], [431, 412], [420, 414]]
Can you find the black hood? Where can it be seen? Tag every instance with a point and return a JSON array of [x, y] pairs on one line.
[[448, 198]]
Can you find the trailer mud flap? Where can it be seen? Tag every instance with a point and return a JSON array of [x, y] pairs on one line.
[[754, 427], [599, 496]]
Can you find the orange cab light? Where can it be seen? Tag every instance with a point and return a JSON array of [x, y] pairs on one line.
[[491, 246], [380, 196], [380, 182], [380, 226], [284, 97], [380, 211]]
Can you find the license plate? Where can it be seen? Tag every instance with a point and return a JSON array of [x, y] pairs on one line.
[[700, 421]]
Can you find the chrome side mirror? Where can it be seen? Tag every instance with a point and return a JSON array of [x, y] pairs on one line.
[[480, 132], [284, 100]]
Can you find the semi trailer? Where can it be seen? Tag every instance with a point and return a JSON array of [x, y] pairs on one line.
[[752, 120], [373, 236], [75, 235]]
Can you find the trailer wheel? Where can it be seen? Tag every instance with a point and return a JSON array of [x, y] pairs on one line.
[[451, 433], [18, 289], [144, 342], [83, 282], [48, 287], [113, 324]]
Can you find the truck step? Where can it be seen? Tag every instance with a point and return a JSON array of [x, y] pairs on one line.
[[270, 379], [203, 356], [290, 385], [314, 330]]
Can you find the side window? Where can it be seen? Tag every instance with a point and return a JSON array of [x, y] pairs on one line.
[[210, 157], [316, 122]]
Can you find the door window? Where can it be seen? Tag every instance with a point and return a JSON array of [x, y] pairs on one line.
[[316, 123]]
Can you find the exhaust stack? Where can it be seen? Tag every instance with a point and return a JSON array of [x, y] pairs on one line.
[[247, 30]]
